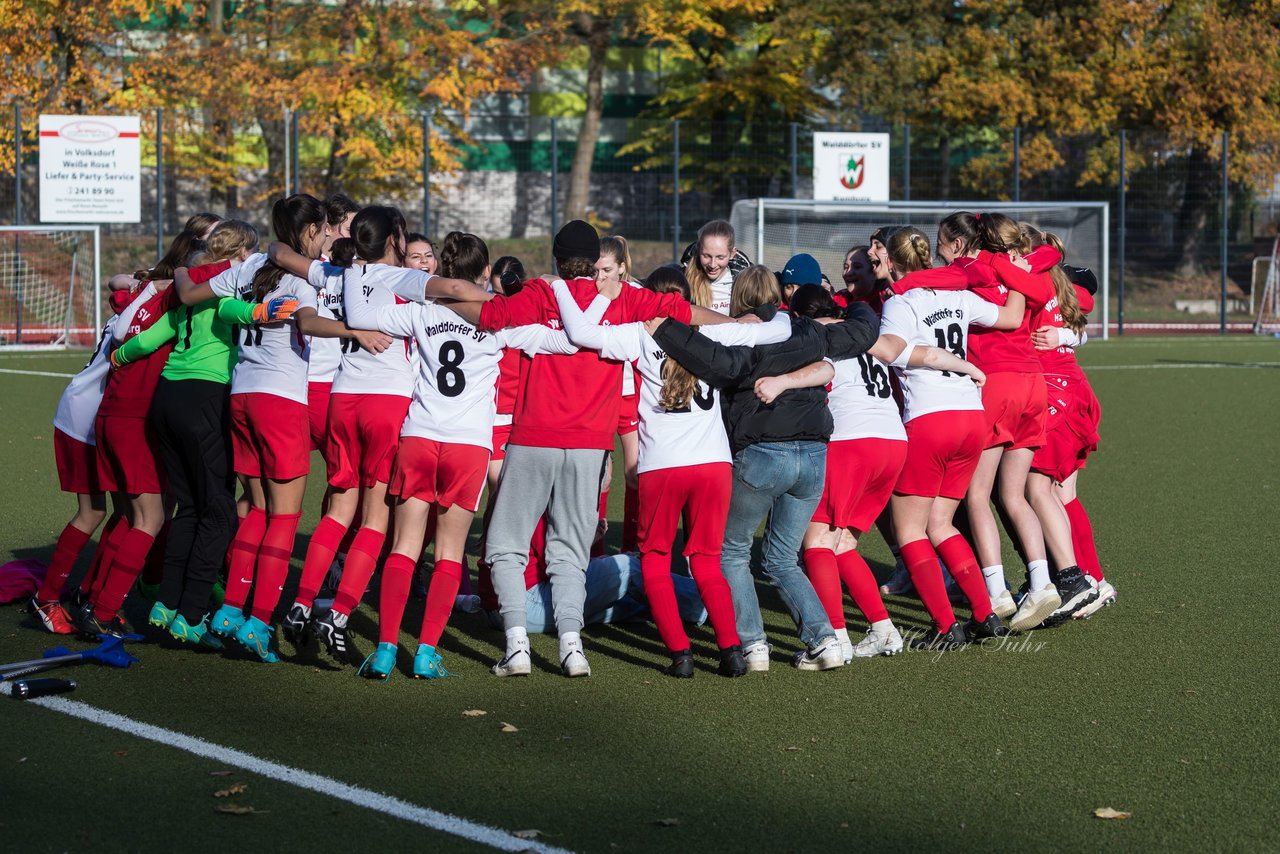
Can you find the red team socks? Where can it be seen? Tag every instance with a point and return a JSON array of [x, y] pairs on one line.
[[71, 542], [124, 570], [328, 536], [861, 581], [824, 575], [361, 561], [965, 570], [243, 556], [630, 518], [397, 575], [716, 598], [1082, 539], [273, 563], [926, 575], [440, 595]]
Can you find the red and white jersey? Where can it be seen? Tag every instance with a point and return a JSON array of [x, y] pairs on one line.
[[861, 401], [238, 279], [272, 358], [326, 353], [367, 288], [939, 319], [78, 406], [721, 289], [454, 396], [690, 436]]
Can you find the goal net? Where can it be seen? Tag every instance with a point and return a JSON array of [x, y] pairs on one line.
[[772, 230], [50, 294], [1268, 320]]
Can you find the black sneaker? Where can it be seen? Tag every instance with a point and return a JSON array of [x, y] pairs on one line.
[[681, 666], [732, 662], [935, 641], [991, 627], [90, 627], [1075, 590], [333, 636], [297, 625]]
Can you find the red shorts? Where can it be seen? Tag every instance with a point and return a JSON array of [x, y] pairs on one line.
[[1015, 405], [318, 414], [364, 431], [269, 436], [861, 474], [1073, 434], [439, 473], [77, 464], [501, 435], [127, 459], [943, 449], [697, 494], [629, 414]]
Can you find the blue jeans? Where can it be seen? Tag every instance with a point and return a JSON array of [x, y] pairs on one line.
[[782, 480]]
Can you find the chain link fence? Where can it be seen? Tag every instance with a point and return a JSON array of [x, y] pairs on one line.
[[1178, 244]]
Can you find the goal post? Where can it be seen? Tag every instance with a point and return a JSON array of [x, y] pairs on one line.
[[50, 286], [776, 229], [1267, 320]]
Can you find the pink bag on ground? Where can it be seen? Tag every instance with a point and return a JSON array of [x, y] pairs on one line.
[[20, 579]]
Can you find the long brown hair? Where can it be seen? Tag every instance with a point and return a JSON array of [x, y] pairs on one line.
[[699, 284], [678, 385], [290, 218], [1068, 302]]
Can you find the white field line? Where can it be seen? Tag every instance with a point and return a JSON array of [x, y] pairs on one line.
[[34, 373], [395, 807], [1088, 369]]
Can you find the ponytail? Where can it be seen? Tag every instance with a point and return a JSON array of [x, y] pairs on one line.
[[370, 231], [909, 250], [290, 218], [463, 256], [678, 384]]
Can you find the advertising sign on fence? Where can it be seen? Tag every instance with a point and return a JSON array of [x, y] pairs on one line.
[[851, 166], [90, 169]]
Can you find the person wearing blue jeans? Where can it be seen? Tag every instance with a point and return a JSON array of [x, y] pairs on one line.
[[779, 463]]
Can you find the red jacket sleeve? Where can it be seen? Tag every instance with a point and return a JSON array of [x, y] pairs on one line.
[[1043, 258], [531, 305], [643, 304], [1036, 287], [1085, 298], [947, 278], [205, 272]]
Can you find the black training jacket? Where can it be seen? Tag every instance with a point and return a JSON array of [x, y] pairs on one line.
[[797, 414]]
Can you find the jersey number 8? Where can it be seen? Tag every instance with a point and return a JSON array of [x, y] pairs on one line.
[[450, 379]]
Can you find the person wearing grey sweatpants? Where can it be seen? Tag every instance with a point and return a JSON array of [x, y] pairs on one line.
[[566, 483]]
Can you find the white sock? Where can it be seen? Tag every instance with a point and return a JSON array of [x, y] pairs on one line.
[[1038, 572], [842, 635], [994, 576], [517, 639], [882, 627], [569, 642], [340, 619]]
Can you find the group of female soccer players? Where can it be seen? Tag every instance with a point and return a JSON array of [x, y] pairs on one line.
[[424, 377]]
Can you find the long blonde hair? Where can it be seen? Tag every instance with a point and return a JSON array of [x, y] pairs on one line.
[[615, 246], [752, 288], [678, 385], [699, 284], [909, 250], [1068, 302]]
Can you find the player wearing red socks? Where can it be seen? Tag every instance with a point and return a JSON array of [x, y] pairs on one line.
[[945, 428], [684, 466]]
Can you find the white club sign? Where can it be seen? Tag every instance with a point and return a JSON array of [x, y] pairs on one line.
[[90, 169], [851, 166]]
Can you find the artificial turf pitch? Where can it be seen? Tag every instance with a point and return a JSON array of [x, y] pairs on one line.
[[1163, 705]]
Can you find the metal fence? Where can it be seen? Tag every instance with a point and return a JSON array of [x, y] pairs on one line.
[[1184, 237]]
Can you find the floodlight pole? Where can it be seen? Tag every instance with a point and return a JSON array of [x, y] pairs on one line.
[[1226, 210], [675, 191], [1124, 190], [426, 174], [17, 164], [159, 182]]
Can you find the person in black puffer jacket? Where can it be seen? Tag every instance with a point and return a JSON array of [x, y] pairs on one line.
[[779, 462]]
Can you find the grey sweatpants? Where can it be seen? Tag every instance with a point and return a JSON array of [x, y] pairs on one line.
[[566, 484]]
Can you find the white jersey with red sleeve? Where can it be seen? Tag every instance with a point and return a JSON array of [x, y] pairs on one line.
[[365, 289], [861, 401], [238, 278], [941, 319], [326, 353], [78, 406], [689, 436], [721, 290], [271, 358]]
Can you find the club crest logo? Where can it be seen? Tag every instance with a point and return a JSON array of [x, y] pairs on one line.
[[854, 172]]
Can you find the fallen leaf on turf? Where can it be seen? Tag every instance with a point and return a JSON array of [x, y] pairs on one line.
[[1108, 812], [1191, 691], [120, 753], [474, 713], [666, 822], [231, 790], [506, 727], [844, 825], [221, 773], [793, 749], [236, 809], [23, 759], [531, 833]]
